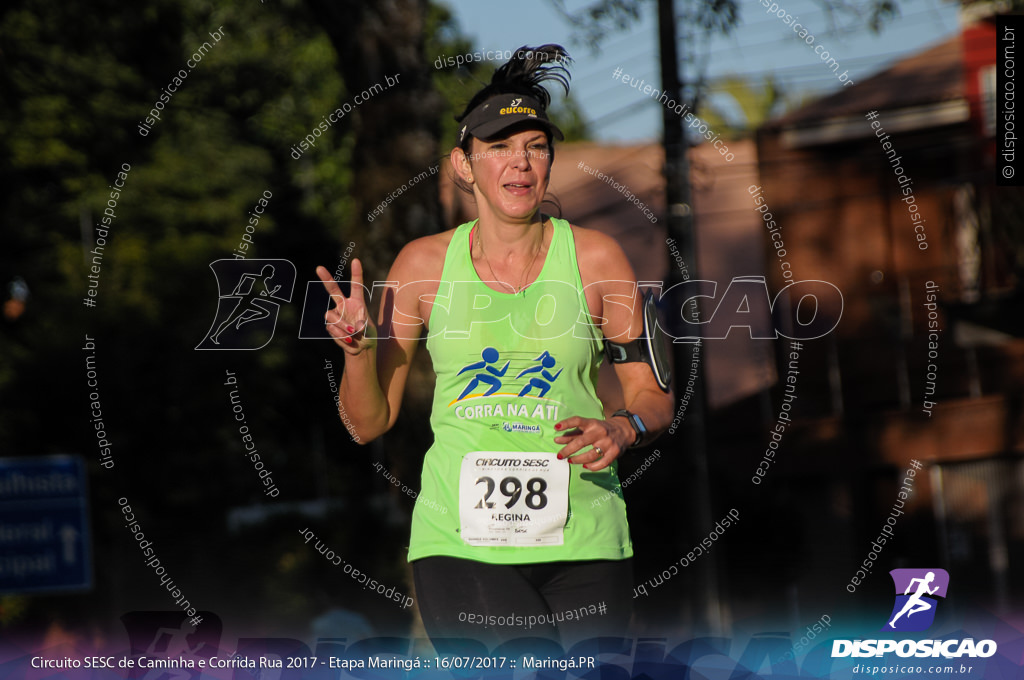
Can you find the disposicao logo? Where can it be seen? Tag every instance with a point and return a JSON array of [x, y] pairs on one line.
[[916, 601], [257, 288], [915, 611]]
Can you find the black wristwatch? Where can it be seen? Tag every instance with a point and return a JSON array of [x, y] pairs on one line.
[[638, 425]]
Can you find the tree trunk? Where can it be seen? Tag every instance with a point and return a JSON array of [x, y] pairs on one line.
[[396, 130]]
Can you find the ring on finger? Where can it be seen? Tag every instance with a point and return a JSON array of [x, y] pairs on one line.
[[600, 453]]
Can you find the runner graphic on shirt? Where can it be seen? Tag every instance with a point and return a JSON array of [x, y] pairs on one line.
[[492, 377], [546, 361]]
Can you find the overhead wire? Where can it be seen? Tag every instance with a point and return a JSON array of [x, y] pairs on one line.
[[800, 75]]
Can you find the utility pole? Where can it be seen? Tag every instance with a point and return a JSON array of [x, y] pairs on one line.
[[688, 461]]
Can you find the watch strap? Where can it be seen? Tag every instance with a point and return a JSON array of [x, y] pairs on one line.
[[632, 418]]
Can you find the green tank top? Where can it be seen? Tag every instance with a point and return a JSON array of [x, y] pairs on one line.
[[509, 366]]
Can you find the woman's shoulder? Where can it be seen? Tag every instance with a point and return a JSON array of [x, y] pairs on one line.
[[598, 252], [590, 238], [423, 257]]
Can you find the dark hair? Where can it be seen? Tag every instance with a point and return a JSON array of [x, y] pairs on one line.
[[524, 74]]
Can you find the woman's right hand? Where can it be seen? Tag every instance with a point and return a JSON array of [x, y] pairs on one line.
[[348, 322]]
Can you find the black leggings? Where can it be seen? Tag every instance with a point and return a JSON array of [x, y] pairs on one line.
[[495, 602]]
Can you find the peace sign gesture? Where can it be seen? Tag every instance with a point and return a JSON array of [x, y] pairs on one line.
[[348, 322]]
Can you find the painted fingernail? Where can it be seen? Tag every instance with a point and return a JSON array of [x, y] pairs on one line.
[[558, 426], [350, 328], [348, 340], [561, 457]]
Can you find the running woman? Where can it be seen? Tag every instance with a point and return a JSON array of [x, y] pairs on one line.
[[915, 603], [516, 306]]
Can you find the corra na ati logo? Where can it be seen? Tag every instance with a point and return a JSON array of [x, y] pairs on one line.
[[917, 599], [505, 402], [250, 294]]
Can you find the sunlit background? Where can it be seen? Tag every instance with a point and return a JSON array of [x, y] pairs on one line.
[[105, 340]]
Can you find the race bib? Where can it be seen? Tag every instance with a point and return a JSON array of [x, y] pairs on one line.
[[508, 498]]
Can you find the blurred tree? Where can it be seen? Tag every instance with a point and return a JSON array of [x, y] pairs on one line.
[[985, 8], [699, 20], [410, 128], [397, 131], [597, 20], [458, 85], [736, 106], [77, 83]]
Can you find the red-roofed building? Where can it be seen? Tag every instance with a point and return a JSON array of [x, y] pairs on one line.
[[887, 189]]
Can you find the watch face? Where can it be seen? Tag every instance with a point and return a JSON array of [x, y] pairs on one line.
[[641, 431], [638, 425], [635, 423]]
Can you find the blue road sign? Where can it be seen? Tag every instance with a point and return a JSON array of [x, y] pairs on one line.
[[44, 531]]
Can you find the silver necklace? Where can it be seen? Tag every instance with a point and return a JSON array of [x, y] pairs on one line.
[[526, 271]]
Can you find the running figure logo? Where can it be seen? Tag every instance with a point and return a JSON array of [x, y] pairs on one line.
[[546, 362], [491, 377], [246, 316], [915, 611], [164, 635]]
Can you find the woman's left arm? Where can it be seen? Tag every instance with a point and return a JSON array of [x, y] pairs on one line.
[[618, 312]]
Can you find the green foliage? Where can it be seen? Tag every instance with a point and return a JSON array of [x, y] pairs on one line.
[[457, 86], [78, 81], [754, 102], [595, 22], [78, 91]]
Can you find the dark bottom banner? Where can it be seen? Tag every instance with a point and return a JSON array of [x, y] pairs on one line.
[[160, 645]]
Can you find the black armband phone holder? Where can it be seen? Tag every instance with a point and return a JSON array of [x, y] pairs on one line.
[[648, 348]]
